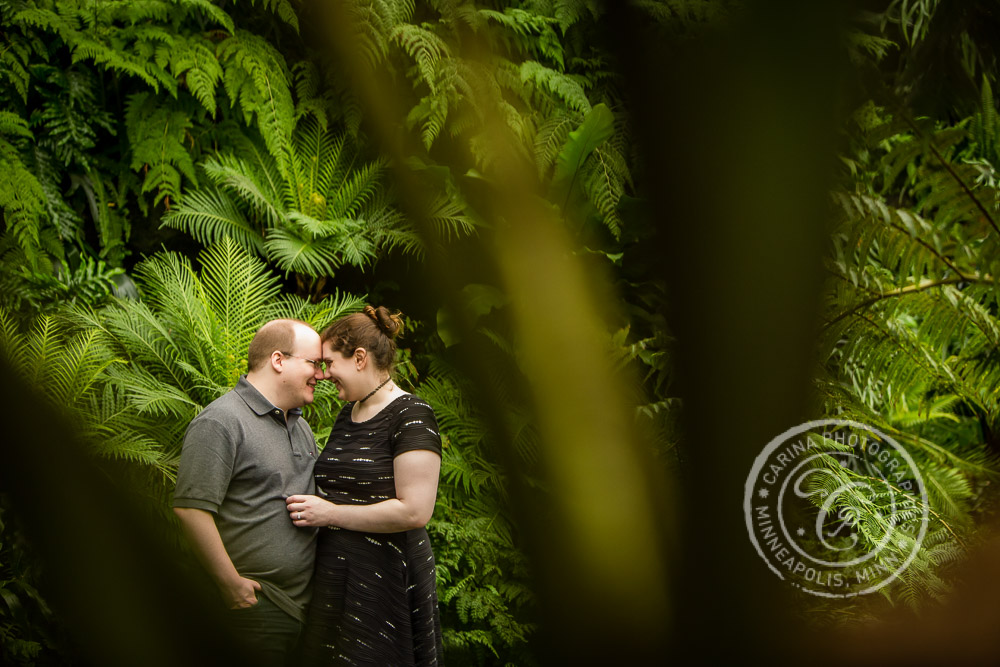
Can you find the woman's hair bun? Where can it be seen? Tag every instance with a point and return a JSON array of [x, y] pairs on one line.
[[391, 324], [373, 329]]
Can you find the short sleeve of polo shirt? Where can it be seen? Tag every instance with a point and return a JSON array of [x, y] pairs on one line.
[[207, 459], [416, 428]]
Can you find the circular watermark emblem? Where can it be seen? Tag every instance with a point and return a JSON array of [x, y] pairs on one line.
[[799, 519]]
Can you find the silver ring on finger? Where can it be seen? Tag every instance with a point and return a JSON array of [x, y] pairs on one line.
[[300, 516]]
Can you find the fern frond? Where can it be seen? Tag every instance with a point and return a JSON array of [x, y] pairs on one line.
[[238, 288], [180, 300], [23, 201], [317, 315], [85, 359], [550, 138], [350, 197], [316, 257], [403, 238], [431, 113], [257, 78], [448, 215], [210, 10], [315, 166], [372, 24], [283, 9], [596, 128], [196, 63], [15, 61], [157, 135], [151, 396], [570, 12], [258, 183], [605, 184], [209, 215], [948, 491], [426, 48], [11, 123], [536, 32], [564, 87]]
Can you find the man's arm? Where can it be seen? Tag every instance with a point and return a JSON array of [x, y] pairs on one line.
[[199, 525]]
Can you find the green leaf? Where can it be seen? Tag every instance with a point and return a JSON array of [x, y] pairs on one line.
[[596, 128]]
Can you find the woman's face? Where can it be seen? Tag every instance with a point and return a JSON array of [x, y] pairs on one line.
[[341, 371]]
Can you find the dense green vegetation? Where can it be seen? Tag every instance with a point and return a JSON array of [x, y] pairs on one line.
[[173, 174]]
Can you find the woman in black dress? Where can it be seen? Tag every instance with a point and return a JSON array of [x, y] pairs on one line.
[[374, 596]]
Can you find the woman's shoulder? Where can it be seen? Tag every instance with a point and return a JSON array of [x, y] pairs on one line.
[[410, 410], [414, 425], [410, 403]]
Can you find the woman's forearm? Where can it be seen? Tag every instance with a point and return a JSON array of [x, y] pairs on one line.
[[416, 478], [389, 516]]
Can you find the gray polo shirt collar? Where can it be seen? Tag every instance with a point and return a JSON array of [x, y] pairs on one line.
[[256, 401]]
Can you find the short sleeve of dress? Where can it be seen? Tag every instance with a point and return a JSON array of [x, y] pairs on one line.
[[415, 427]]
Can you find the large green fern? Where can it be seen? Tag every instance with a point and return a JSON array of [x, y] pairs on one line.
[[22, 197], [322, 208], [71, 370], [912, 328], [485, 593], [184, 343]]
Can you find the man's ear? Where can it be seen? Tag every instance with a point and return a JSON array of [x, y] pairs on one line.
[[277, 361]]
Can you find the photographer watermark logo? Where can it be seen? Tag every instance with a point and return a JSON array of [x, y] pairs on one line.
[[803, 529]]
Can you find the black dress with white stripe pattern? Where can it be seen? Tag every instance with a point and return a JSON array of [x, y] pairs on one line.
[[374, 595]]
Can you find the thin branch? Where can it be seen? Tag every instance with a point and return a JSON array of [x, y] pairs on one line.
[[951, 171], [946, 375], [931, 248], [909, 289]]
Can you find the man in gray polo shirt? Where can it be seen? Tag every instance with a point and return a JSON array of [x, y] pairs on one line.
[[242, 456]]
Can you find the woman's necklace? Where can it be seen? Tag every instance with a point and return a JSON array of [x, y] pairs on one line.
[[372, 392]]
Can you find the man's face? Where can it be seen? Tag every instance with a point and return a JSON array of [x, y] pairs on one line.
[[300, 376]]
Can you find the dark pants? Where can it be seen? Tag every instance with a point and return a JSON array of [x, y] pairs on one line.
[[267, 633]]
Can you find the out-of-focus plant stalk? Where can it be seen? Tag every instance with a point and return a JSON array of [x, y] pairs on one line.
[[598, 545]]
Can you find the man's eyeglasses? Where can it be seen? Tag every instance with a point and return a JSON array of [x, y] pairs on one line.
[[319, 365]]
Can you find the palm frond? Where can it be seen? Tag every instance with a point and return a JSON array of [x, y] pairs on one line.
[[322, 256], [257, 184], [238, 288], [210, 215]]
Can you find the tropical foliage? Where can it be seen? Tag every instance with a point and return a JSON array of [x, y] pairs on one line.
[[911, 326], [318, 213], [136, 371], [487, 599]]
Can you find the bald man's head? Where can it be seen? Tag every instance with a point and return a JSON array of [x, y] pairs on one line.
[[275, 335]]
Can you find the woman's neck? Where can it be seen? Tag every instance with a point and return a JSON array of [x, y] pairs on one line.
[[369, 407]]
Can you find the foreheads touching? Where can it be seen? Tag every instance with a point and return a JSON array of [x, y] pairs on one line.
[[288, 337]]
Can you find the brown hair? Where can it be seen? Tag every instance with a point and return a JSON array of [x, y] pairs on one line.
[[274, 335], [373, 329]]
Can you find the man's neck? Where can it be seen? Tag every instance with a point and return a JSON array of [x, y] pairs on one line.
[[262, 384]]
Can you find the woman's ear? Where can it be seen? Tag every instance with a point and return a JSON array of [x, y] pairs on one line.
[[360, 358]]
